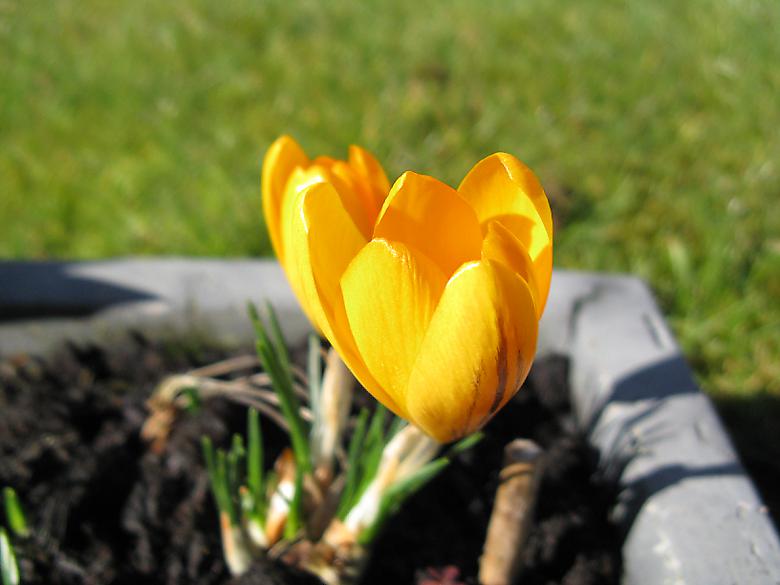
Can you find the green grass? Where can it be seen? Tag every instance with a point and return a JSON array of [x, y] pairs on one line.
[[137, 127]]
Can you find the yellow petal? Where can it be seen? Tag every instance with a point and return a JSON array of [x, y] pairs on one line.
[[291, 218], [371, 172], [432, 218], [533, 238], [502, 188], [323, 241], [500, 245], [476, 353], [390, 293], [281, 159], [350, 189], [502, 185], [354, 196], [324, 161]]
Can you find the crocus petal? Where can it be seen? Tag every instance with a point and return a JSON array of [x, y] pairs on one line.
[[373, 175], [502, 246], [476, 353], [431, 217], [290, 225], [500, 184], [354, 196], [282, 158], [349, 187], [323, 241], [502, 188], [532, 237], [390, 293]]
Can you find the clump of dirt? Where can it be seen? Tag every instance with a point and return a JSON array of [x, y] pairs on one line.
[[105, 509]]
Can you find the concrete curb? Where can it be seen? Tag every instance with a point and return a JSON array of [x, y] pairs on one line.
[[689, 511], [43, 304]]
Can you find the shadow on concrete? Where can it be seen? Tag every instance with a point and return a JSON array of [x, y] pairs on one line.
[[644, 430], [635, 493], [49, 289], [669, 377], [650, 387]]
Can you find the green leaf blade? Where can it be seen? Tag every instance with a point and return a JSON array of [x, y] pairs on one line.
[[9, 568], [275, 361], [254, 459], [14, 513]]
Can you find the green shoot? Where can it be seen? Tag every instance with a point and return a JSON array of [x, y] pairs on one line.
[[243, 489], [14, 513], [398, 493], [193, 400], [234, 460], [352, 480], [372, 450], [314, 370], [211, 468], [278, 337], [9, 569], [224, 482], [273, 355], [395, 496], [216, 466], [254, 462], [464, 444], [295, 516]]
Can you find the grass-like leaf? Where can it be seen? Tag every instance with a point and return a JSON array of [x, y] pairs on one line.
[[234, 460], [224, 485], [352, 480], [216, 467], [278, 337], [211, 467], [397, 493], [254, 462], [314, 371], [276, 362], [372, 450], [17, 521], [9, 569], [295, 515]]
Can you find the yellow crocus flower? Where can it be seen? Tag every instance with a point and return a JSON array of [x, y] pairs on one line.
[[431, 295]]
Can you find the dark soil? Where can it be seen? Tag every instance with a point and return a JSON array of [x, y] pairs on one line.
[[572, 541], [105, 509]]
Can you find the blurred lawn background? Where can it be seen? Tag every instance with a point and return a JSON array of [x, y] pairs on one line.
[[137, 127]]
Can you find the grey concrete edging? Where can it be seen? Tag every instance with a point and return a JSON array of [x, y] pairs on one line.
[[690, 513]]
